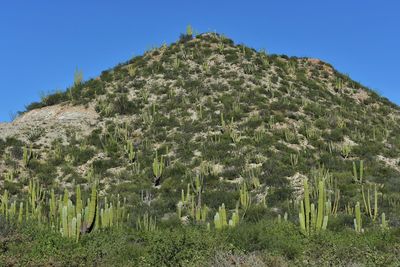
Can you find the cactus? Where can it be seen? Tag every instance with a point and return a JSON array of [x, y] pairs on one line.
[[146, 223], [131, 70], [59, 212], [78, 200], [339, 84], [312, 219], [234, 221], [92, 208], [130, 151], [78, 77], [245, 198], [198, 186], [294, 159], [345, 151], [358, 220], [27, 156], [372, 213], [220, 221], [358, 177], [189, 30], [20, 212], [158, 168], [384, 222], [4, 204], [64, 220]]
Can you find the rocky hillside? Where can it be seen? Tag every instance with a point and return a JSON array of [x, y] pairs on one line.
[[208, 107]]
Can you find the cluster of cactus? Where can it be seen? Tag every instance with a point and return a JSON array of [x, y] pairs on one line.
[[285, 217], [177, 62], [158, 168], [245, 197], [192, 203], [226, 127], [358, 175], [4, 210], [311, 132], [339, 84], [146, 223], [259, 135], [189, 30], [214, 138], [77, 219], [130, 151], [345, 151], [251, 175], [319, 174], [9, 175], [313, 219], [27, 155], [61, 214], [235, 136], [132, 70], [78, 77], [294, 159], [290, 135], [220, 218], [116, 140], [371, 212]]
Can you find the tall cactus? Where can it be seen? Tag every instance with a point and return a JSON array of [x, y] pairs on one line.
[[130, 151], [220, 220], [312, 219], [78, 201], [358, 220], [372, 213], [92, 209], [358, 176], [27, 156], [245, 198], [158, 168], [146, 223], [384, 222]]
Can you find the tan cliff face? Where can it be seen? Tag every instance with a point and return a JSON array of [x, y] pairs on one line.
[[46, 124]]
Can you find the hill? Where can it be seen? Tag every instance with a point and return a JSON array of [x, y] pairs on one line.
[[221, 123]]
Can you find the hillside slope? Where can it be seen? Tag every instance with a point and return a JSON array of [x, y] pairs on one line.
[[210, 107]]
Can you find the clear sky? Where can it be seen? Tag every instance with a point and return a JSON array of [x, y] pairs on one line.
[[42, 42]]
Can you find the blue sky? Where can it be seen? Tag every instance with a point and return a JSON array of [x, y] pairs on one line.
[[43, 42]]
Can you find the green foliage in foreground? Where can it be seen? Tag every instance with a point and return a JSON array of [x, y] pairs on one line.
[[263, 243]]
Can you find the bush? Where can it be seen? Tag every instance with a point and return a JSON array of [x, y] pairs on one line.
[[180, 247]]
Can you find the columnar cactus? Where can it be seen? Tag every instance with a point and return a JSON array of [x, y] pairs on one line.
[[92, 208], [358, 176], [372, 213], [245, 198], [220, 220], [234, 221], [146, 223], [312, 219], [358, 220], [130, 151], [158, 168], [384, 222], [78, 201], [27, 155]]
